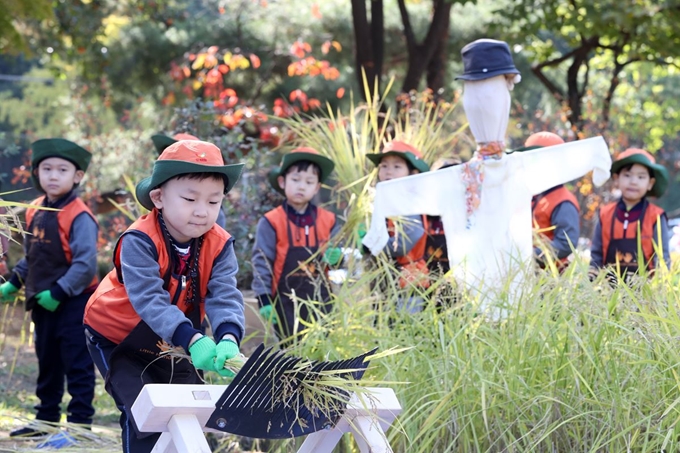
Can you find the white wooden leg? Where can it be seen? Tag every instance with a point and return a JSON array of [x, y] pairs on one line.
[[321, 441], [164, 444], [369, 436], [187, 434]]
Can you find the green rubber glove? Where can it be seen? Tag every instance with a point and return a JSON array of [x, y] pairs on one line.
[[361, 230], [332, 255], [203, 353], [6, 292], [226, 349], [268, 314], [46, 301]]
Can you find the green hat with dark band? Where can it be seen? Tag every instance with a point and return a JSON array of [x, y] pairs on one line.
[[299, 154], [57, 147], [405, 151]]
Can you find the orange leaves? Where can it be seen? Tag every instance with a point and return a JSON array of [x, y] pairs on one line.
[[307, 65], [243, 114], [299, 49], [300, 97], [205, 73], [179, 73], [169, 99], [316, 12], [312, 67], [227, 99], [297, 94], [326, 47]]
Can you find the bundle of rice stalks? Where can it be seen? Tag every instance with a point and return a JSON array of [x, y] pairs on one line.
[[234, 364], [276, 396]]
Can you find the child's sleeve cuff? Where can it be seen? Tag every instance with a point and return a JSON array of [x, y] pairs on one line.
[[183, 335], [228, 328], [58, 293]]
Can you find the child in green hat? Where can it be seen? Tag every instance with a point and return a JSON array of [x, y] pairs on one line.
[[58, 274], [633, 223], [286, 239], [407, 244], [172, 267]]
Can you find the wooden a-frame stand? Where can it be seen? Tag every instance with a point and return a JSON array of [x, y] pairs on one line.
[[180, 413]]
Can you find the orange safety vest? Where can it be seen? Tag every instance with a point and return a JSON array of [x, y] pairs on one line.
[[651, 216], [320, 233], [109, 310], [545, 206], [65, 218], [413, 266], [542, 210]]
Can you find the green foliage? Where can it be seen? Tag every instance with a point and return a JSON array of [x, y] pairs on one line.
[[13, 14]]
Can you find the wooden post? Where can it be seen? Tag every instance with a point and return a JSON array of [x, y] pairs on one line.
[[180, 413]]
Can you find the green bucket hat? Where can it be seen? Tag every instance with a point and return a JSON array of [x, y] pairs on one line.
[[299, 154], [403, 150], [642, 157], [57, 147], [182, 157], [162, 141]]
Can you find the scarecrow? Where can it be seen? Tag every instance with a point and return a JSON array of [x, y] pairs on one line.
[[485, 204]]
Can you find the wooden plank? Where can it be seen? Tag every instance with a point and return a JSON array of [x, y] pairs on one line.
[[157, 403]]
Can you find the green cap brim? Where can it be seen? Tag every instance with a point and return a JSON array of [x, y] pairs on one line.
[[659, 172], [418, 164], [164, 170], [161, 141]]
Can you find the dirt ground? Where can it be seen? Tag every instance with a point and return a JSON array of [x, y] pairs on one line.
[[18, 371]]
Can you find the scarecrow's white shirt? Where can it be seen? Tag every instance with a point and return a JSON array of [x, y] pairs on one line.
[[498, 243]]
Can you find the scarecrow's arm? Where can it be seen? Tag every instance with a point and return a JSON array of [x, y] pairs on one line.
[[548, 167], [426, 193]]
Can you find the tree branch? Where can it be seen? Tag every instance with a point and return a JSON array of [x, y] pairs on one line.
[[549, 84], [408, 29]]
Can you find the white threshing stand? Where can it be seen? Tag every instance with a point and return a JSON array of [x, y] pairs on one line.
[[180, 412]]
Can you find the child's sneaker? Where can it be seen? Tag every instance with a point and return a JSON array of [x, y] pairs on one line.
[[59, 440], [28, 431]]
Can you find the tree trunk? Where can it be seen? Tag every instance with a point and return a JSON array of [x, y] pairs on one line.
[[368, 40], [436, 69], [421, 55]]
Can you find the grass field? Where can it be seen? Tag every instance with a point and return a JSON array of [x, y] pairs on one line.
[[577, 366]]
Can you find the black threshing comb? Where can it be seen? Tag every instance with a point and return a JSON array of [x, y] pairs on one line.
[[269, 398]]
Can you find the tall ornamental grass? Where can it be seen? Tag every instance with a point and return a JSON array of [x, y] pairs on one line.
[[575, 366]]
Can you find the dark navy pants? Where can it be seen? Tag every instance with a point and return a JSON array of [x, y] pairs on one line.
[[63, 355], [100, 349]]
